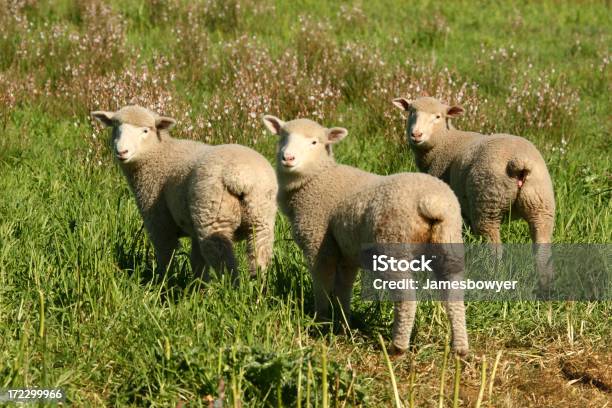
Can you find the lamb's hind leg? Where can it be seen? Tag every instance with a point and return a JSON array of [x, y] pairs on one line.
[[536, 204], [260, 238], [456, 314], [451, 269], [455, 310], [218, 252], [259, 215], [541, 229], [197, 262], [489, 228], [216, 217], [403, 322], [259, 249]]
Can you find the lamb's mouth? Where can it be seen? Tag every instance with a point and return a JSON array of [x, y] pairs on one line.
[[289, 165], [123, 159], [416, 141]]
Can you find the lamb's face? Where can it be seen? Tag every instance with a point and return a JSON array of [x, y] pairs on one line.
[[421, 125], [302, 143], [426, 117], [297, 150], [135, 131], [131, 141]]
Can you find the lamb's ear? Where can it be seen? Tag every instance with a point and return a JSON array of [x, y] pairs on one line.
[[273, 124], [336, 134], [104, 117], [164, 123], [454, 111], [402, 103]]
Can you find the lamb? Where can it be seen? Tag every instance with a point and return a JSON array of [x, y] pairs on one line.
[[213, 194], [491, 175], [334, 209]]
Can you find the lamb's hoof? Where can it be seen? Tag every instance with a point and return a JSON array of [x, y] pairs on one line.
[[396, 350], [462, 351]]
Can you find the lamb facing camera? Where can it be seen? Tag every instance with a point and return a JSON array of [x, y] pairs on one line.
[[335, 209], [213, 194]]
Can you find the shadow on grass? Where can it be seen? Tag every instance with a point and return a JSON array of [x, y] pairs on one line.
[[136, 257], [290, 281]]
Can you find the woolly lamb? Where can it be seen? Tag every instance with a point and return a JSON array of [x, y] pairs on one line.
[[491, 175], [212, 194], [335, 208]]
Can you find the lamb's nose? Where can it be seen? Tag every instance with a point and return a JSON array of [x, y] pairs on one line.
[[416, 134], [122, 152], [288, 157]]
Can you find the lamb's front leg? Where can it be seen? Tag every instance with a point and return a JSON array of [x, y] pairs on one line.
[[343, 290], [323, 278], [163, 233]]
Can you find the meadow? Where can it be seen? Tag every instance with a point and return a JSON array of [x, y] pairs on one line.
[[80, 306]]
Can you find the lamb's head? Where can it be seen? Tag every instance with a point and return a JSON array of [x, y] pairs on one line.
[[135, 130], [426, 116], [303, 144]]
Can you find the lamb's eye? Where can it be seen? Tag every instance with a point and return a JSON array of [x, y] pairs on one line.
[[146, 130], [437, 116], [314, 142]]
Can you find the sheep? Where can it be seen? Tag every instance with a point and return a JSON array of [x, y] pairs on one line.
[[334, 209], [213, 194], [491, 175]]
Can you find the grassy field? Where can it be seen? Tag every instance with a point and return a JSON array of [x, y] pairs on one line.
[[79, 305]]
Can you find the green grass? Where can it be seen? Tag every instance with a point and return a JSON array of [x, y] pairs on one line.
[[79, 305]]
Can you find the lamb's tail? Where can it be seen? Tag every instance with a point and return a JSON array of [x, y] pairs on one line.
[[519, 169], [443, 213]]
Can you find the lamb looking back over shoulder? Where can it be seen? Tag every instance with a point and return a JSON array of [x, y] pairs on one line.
[[212, 194], [335, 209], [491, 175]]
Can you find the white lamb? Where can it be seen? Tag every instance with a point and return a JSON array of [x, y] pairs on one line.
[[491, 174], [212, 194], [335, 209]]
